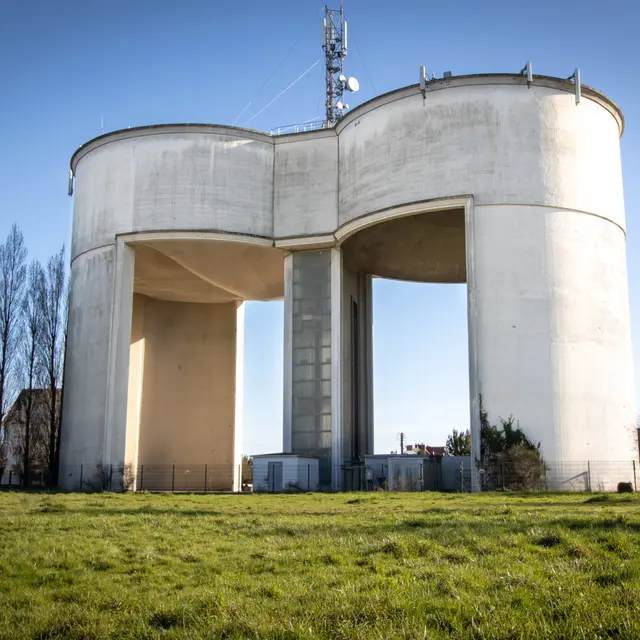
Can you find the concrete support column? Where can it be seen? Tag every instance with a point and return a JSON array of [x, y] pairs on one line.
[[312, 344], [238, 417], [87, 363], [357, 364], [553, 332], [287, 377], [120, 447]]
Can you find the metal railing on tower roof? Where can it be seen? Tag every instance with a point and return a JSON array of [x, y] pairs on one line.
[[299, 128]]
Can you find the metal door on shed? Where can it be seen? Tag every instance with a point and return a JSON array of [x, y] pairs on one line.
[[275, 476]]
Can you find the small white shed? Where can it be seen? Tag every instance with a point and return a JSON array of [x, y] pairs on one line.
[[275, 472], [405, 473]]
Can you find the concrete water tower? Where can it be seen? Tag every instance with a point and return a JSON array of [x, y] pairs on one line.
[[509, 182]]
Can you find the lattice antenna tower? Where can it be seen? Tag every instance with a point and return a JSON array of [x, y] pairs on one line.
[[334, 44]]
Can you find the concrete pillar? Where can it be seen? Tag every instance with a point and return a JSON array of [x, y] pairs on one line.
[[87, 363], [120, 447], [191, 402], [312, 344], [553, 333], [357, 364], [238, 416]]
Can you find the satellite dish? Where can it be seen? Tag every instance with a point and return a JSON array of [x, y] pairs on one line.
[[342, 79], [353, 84], [340, 106]]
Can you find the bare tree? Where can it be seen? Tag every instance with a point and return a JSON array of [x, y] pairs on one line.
[[13, 256], [65, 336], [32, 326], [51, 298]]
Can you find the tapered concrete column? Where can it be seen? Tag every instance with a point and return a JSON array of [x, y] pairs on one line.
[[312, 343]]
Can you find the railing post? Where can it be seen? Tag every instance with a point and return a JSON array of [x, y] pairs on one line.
[[173, 479], [81, 472], [141, 477], [205, 477]]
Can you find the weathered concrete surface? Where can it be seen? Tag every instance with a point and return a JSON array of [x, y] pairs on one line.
[[306, 185]]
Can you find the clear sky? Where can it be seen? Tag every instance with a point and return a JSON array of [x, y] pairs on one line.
[[65, 64]]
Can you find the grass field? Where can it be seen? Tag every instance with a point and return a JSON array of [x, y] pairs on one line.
[[319, 566]]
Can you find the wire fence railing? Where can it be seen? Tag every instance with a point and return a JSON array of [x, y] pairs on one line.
[[418, 473], [175, 478]]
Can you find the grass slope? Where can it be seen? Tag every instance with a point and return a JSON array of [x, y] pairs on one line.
[[319, 566]]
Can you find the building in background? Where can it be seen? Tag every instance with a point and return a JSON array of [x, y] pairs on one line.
[[14, 437]]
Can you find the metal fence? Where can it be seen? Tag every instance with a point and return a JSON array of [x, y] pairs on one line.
[[456, 474], [313, 125], [177, 478], [411, 473]]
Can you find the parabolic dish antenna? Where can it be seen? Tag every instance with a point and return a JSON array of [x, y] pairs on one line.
[[353, 84]]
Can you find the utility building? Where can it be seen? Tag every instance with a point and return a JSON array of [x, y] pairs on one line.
[[510, 186]]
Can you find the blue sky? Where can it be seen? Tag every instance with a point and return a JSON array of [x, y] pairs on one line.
[[66, 64]]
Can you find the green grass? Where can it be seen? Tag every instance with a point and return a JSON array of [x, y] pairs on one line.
[[319, 566]]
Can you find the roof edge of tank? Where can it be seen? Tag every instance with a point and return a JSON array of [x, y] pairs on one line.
[[151, 129], [437, 84]]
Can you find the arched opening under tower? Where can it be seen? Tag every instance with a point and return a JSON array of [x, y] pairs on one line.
[[414, 255], [185, 394]]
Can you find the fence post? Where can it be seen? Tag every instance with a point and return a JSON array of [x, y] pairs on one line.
[[205, 477], [173, 479], [309, 477], [81, 472], [462, 477], [635, 486], [10, 478], [502, 474], [141, 477], [588, 475], [110, 475]]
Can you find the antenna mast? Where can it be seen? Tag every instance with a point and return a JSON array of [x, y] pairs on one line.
[[334, 44]]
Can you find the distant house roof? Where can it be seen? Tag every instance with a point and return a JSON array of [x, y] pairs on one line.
[[426, 449], [15, 415]]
